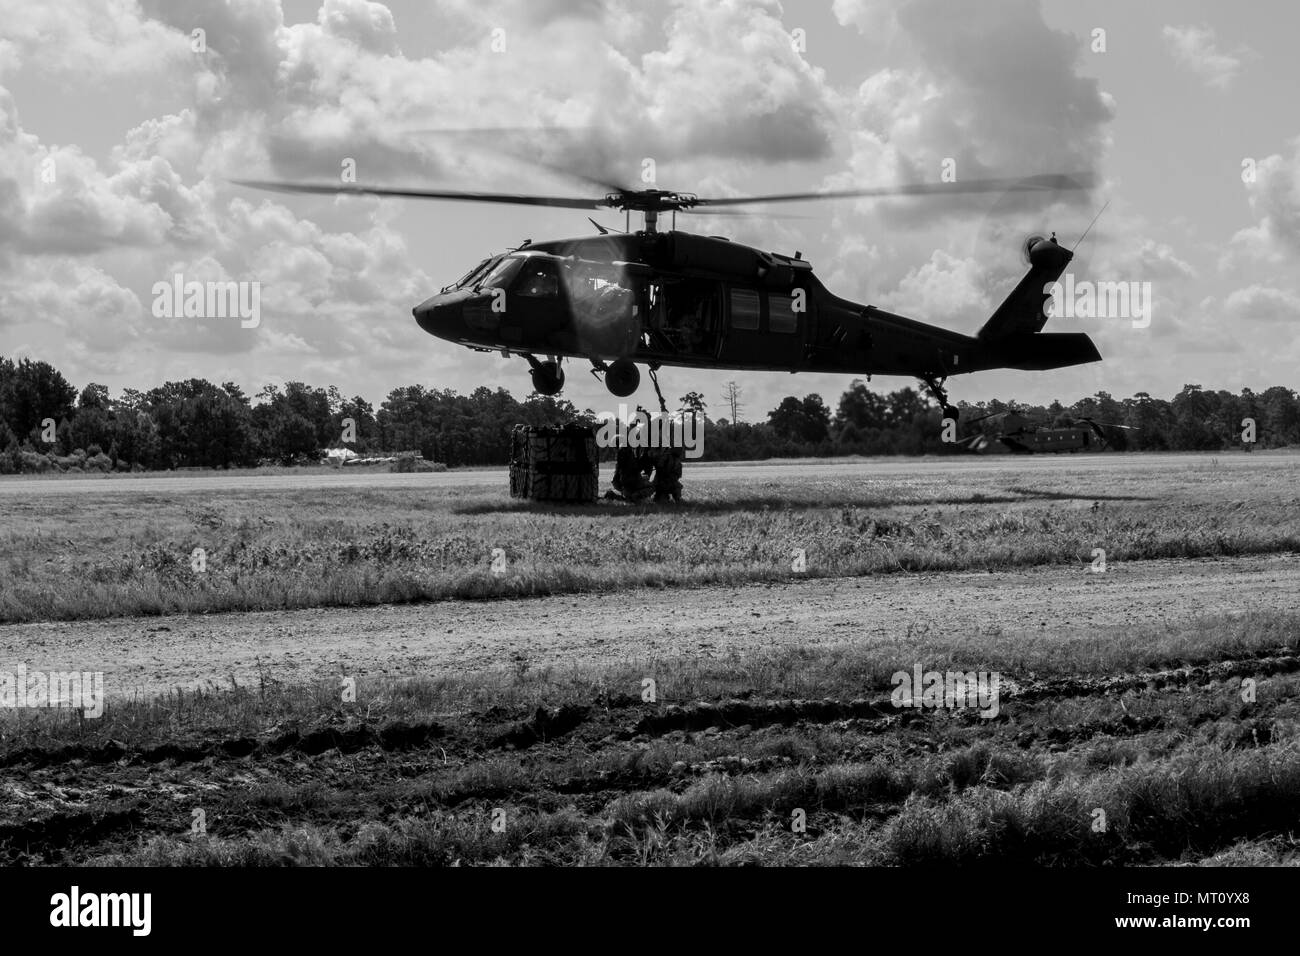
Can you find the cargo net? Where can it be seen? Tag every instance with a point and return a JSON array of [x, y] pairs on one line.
[[554, 464]]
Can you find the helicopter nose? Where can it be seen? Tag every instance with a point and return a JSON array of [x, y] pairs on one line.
[[439, 317]]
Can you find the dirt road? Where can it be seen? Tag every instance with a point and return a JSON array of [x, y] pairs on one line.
[[150, 655]]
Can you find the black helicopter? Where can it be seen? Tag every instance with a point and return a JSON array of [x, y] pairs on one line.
[[674, 298]]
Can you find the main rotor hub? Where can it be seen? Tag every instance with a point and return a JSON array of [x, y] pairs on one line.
[[651, 200]]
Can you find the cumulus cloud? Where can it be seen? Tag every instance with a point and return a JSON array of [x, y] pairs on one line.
[[1259, 303], [89, 40], [1156, 260], [1275, 200], [730, 83], [996, 90], [874, 18], [58, 200], [298, 98], [1196, 48], [943, 290], [68, 219], [86, 310], [977, 91], [367, 25]]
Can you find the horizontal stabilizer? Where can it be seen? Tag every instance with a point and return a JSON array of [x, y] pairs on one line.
[[1043, 350]]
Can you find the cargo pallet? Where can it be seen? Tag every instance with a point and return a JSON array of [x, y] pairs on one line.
[[554, 464]]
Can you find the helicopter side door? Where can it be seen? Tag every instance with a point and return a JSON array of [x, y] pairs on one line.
[[537, 306], [764, 329], [685, 318]]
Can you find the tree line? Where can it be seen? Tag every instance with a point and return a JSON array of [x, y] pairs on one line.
[[47, 424]]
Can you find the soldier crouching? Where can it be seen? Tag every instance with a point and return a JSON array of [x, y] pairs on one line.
[[668, 475], [630, 471]]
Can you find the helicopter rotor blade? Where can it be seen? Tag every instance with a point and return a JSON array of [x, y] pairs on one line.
[[728, 213], [984, 418], [517, 199], [1046, 183], [1093, 421], [657, 199]]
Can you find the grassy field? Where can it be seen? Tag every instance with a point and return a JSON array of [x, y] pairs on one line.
[[109, 554], [1137, 747], [1142, 743]]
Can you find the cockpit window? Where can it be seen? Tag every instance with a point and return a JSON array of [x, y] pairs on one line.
[[469, 276], [502, 274]]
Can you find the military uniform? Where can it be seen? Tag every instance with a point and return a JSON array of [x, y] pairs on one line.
[[668, 475], [630, 471]]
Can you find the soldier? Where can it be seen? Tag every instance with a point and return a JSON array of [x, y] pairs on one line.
[[630, 470], [668, 475]]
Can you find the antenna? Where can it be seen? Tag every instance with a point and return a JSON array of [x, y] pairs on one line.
[[1090, 225]]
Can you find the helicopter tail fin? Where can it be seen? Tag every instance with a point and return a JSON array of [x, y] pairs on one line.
[[1024, 311], [1013, 334]]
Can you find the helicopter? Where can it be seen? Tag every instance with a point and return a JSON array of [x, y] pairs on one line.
[[1024, 435], [675, 298]]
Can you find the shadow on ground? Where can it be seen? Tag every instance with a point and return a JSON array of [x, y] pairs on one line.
[[616, 508]]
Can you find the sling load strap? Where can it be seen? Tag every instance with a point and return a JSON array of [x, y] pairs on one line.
[[654, 378]]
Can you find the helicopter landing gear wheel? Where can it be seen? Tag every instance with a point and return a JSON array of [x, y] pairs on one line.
[[548, 378], [622, 377]]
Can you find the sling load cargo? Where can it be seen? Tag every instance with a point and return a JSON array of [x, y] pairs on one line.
[[554, 464]]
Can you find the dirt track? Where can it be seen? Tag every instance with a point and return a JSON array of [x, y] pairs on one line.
[[148, 655]]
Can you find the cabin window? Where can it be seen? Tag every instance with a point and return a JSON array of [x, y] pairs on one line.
[[781, 316], [744, 309]]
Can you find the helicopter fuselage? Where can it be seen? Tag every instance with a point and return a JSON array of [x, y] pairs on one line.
[[679, 299]]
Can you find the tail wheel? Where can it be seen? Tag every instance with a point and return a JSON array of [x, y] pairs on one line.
[[622, 378], [548, 378]]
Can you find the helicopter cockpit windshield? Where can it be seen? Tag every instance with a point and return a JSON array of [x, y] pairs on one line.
[[501, 275], [469, 277]]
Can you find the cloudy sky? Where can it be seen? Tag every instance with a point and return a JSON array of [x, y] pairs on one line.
[[119, 133]]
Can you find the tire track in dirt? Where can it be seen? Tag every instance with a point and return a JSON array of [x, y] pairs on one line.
[[146, 656], [619, 717], [561, 733]]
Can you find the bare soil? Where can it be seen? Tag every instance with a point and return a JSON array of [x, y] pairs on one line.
[[145, 656]]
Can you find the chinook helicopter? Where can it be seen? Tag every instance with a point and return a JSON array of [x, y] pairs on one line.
[[668, 298], [1022, 434]]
